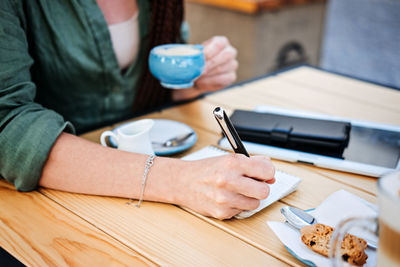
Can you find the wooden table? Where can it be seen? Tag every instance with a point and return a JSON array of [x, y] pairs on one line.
[[48, 227]]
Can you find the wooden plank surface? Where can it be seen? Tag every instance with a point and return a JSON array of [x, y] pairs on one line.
[[108, 229], [306, 196], [312, 191], [277, 91], [164, 233], [39, 232], [282, 92], [288, 91], [369, 94]]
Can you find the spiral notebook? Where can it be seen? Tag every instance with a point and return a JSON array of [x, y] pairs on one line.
[[284, 185]]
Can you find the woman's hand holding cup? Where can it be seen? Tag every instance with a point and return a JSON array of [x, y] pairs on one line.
[[211, 66], [221, 65]]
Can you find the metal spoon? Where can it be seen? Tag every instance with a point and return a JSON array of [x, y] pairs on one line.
[[299, 218], [175, 141]]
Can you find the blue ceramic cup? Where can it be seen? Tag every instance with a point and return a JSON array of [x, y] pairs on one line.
[[177, 66]]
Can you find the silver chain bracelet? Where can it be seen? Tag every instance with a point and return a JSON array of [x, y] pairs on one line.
[[149, 163]]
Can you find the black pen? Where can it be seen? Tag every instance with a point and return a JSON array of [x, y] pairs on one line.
[[229, 131]]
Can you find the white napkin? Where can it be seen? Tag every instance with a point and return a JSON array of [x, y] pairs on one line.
[[337, 207]]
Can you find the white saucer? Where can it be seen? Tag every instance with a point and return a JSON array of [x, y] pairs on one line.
[[164, 130]]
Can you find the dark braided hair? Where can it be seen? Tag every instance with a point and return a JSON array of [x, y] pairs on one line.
[[165, 26]]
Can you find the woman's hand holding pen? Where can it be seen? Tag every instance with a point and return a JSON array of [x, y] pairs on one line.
[[224, 186]]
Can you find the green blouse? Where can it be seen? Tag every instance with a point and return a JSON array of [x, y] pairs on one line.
[[58, 72]]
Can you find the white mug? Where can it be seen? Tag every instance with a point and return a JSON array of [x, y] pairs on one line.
[[132, 137]]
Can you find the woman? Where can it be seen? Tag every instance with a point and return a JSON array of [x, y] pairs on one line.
[[69, 66]]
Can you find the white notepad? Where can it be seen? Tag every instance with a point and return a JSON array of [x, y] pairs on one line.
[[284, 185]]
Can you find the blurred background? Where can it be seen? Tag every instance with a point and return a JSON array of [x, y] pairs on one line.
[[268, 35], [358, 38]]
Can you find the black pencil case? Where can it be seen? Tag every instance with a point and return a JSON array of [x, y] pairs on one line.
[[323, 137]]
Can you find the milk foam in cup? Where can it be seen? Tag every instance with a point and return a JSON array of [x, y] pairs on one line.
[[178, 51]]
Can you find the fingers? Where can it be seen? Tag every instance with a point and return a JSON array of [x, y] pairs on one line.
[[221, 65], [271, 181], [214, 46], [234, 200], [258, 167], [227, 66], [229, 204], [246, 176], [250, 188], [213, 83], [224, 186], [223, 214], [226, 56]]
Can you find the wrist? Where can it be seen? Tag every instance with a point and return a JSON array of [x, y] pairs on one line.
[[164, 181]]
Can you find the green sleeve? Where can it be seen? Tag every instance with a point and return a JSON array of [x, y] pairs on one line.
[[27, 129]]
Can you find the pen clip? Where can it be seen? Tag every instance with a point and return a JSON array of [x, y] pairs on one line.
[[219, 114], [229, 131]]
